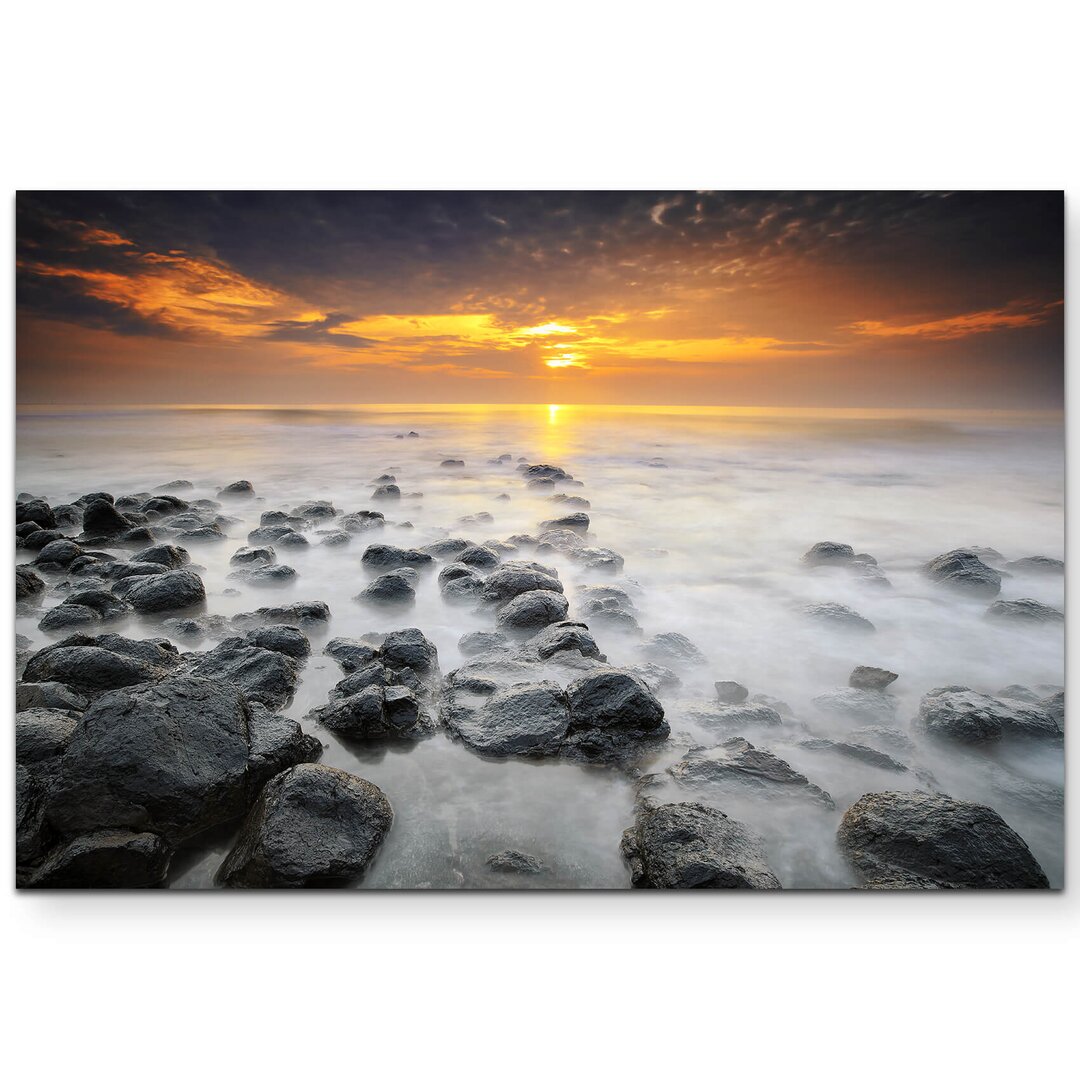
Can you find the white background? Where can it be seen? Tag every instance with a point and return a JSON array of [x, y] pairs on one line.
[[565, 95]]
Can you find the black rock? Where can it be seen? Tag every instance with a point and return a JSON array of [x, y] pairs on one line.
[[576, 523], [397, 588], [510, 581], [58, 553], [311, 825], [37, 511], [915, 840], [514, 862], [108, 859], [562, 637], [276, 743], [613, 714], [240, 489], [265, 576], [92, 666], [304, 614], [101, 518], [532, 611], [690, 846], [383, 557], [48, 695], [350, 654], [529, 720], [287, 640], [174, 591], [27, 583], [264, 675], [386, 492], [167, 555]]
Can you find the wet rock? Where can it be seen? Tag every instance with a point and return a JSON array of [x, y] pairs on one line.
[[514, 862], [311, 825], [915, 840], [838, 617], [871, 678], [101, 518], [377, 712], [265, 576], [173, 591], [361, 521], [576, 523], [398, 588], [511, 581], [459, 583], [276, 743], [452, 463], [42, 735], [386, 492], [561, 637], [169, 757], [108, 859], [48, 695], [36, 510], [81, 608], [66, 617], [613, 714], [410, 650], [1037, 564], [533, 610], [483, 641], [737, 764], [448, 548], [543, 472], [829, 553], [736, 717], [304, 614], [316, 510], [673, 649], [964, 571], [215, 626], [239, 489], [350, 654], [383, 557], [865, 755], [1025, 610], [92, 666], [334, 538], [530, 719], [859, 706], [167, 555], [39, 538], [731, 693], [264, 675], [59, 553], [480, 558], [253, 556], [287, 640], [689, 846], [962, 715], [28, 585]]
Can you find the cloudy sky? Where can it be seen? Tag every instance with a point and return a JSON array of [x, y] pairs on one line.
[[818, 299]]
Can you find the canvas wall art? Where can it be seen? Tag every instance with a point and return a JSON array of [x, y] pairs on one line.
[[612, 540]]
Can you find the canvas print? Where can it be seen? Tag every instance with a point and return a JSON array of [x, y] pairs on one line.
[[539, 540]]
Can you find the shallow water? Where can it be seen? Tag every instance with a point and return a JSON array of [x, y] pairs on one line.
[[711, 509]]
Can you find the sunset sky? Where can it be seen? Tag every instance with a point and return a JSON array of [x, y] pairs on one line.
[[822, 299]]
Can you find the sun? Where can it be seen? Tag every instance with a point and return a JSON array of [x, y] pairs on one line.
[[567, 360]]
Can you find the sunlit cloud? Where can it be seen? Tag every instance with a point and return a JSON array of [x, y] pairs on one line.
[[1012, 317]]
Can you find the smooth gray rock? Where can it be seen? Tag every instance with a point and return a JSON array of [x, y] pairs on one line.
[[962, 715], [311, 825], [915, 840], [730, 693], [530, 719], [1024, 610], [673, 650], [838, 617], [871, 678], [383, 557], [963, 570]]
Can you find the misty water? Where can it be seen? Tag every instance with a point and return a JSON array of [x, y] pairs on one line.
[[711, 510]]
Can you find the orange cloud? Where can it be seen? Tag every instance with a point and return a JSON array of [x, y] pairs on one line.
[[1011, 317]]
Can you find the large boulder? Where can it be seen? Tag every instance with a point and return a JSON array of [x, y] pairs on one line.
[[916, 840], [276, 743], [963, 715], [376, 712], [838, 617], [383, 557], [169, 757], [167, 555], [311, 825], [965, 572], [612, 714], [109, 859], [93, 666], [28, 585], [510, 581], [690, 846], [304, 614], [532, 611], [101, 518], [529, 720], [173, 591], [265, 675], [395, 589], [36, 510]]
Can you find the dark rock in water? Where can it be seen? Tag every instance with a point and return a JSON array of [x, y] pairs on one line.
[[264, 675], [304, 614], [163, 506], [101, 518], [41, 538], [27, 583], [576, 523], [276, 743], [94, 496], [1054, 704], [829, 553], [81, 608], [109, 859], [312, 825], [287, 640], [543, 472], [37, 511], [1025, 610], [915, 840], [689, 846], [964, 571], [316, 510], [656, 677], [453, 463], [174, 591], [575, 502], [396, 588], [289, 538], [265, 576], [240, 489], [167, 555], [737, 764], [169, 757], [26, 528], [510, 581], [675, 650], [335, 538], [479, 642], [410, 650], [867, 755], [48, 695], [514, 862], [731, 693], [59, 553], [613, 714], [377, 712], [350, 654], [448, 548], [1019, 693], [253, 556], [42, 734], [561, 637], [838, 617], [530, 719], [480, 558], [176, 485], [196, 629], [860, 706], [458, 582], [383, 557], [386, 491], [736, 717], [1037, 564], [532, 611], [92, 666], [361, 521], [871, 678], [963, 715], [66, 617]]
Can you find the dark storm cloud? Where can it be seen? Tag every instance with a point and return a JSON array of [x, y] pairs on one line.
[[317, 330]]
